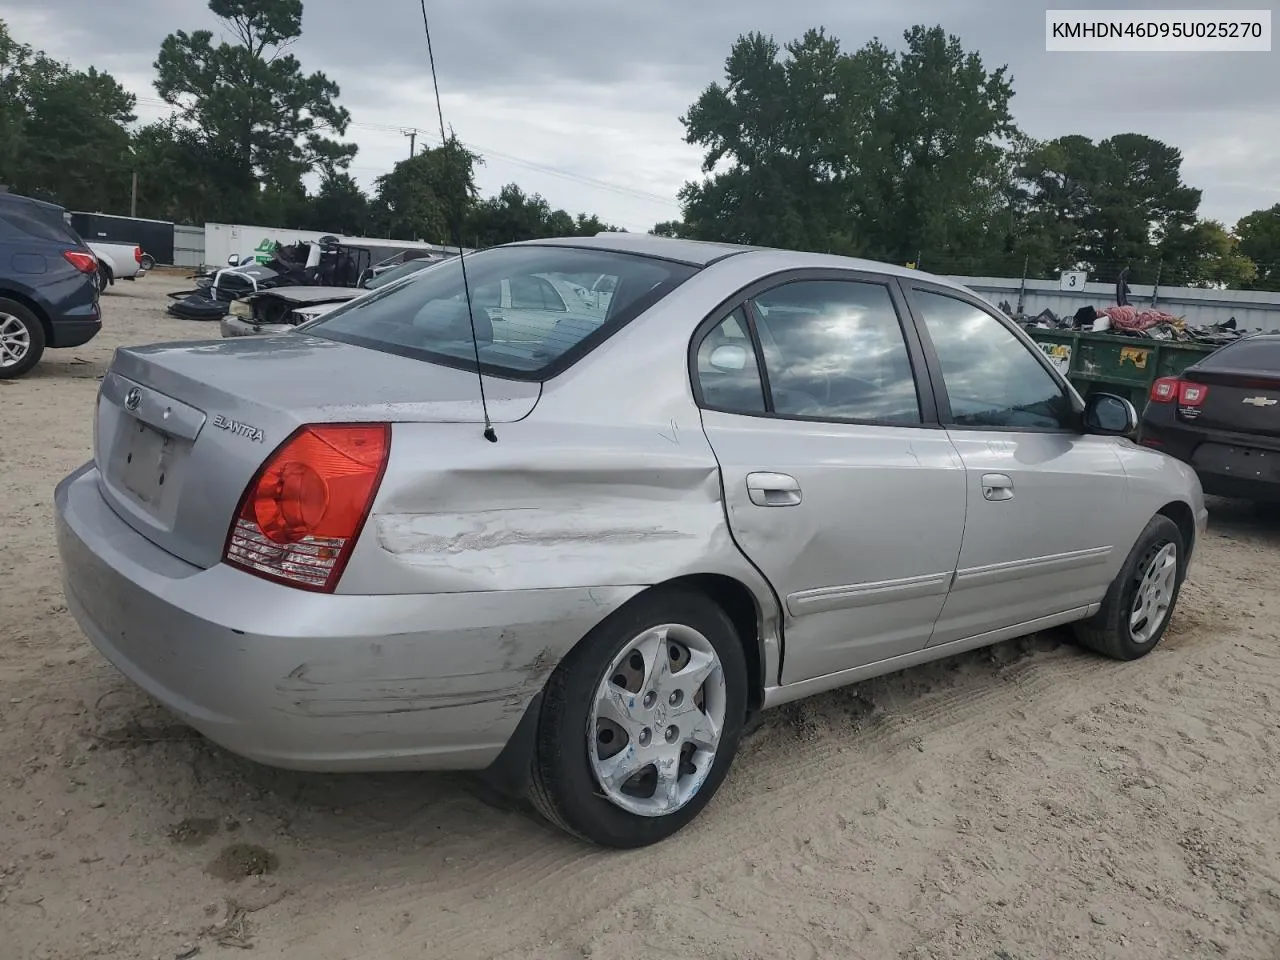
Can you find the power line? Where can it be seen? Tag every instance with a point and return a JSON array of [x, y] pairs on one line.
[[579, 178]]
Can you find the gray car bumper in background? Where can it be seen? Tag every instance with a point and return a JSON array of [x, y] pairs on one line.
[[312, 681], [233, 326]]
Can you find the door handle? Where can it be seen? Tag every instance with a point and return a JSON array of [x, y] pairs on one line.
[[996, 486], [773, 489]]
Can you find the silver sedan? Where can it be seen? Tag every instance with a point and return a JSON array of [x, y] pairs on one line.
[[754, 476]]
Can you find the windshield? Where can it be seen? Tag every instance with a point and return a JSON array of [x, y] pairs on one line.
[[533, 316]]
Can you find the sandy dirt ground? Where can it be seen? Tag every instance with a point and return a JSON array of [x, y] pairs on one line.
[[1031, 801]]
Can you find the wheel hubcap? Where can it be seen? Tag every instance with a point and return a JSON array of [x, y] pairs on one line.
[[15, 340], [1154, 596], [656, 721]]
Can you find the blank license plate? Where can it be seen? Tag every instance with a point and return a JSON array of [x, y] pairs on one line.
[[145, 462]]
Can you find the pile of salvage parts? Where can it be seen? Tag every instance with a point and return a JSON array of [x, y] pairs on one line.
[[1122, 319], [327, 262]]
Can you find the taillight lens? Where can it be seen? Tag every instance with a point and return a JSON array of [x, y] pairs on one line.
[[1165, 390], [1191, 394], [1184, 392], [84, 262], [137, 255], [301, 515]]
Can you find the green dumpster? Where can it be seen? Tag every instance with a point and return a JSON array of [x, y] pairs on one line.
[[1103, 363]]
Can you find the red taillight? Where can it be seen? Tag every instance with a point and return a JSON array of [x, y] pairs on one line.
[[1186, 393], [137, 255], [300, 516], [1191, 394], [84, 262], [1165, 390]]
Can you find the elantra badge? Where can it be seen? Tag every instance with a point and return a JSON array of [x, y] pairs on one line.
[[246, 430]]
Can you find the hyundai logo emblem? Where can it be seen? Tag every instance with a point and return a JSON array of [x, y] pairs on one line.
[[133, 399]]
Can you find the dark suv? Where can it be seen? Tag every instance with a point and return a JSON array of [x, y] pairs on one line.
[[48, 286]]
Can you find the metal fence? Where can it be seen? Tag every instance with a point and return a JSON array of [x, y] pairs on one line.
[[1253, 310]]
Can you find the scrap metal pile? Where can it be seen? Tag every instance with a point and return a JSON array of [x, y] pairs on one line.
[[327, 262], [1128, 321]]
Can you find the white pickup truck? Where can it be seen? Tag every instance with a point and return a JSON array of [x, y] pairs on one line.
[[117, 261]]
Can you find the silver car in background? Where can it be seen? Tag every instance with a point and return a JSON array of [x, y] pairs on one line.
[[752, 475]]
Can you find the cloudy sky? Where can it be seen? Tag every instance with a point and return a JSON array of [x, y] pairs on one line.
[[579, 100]]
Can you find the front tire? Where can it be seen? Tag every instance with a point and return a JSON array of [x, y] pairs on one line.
[[1139, 604], [104, 277], [148, 262], [21, 339], [641, 720]]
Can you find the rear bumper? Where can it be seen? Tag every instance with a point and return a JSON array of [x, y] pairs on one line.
[[74, 333], [308, 681], [1227, 465], [238, 327]]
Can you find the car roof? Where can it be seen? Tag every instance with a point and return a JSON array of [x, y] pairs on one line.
[[17, 200], [702, 253]]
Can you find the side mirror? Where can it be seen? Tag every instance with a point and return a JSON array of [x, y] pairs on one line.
[[233, 260], [1109, 415], [729, 356]]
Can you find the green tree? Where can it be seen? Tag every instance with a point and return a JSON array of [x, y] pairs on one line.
[[1110, 205], [670, 228], [340, 205], [63, 132], [1204, 254], [874, 152], [1259, 235], [429, 196], [512, 215], [188, 178], [253, 96]]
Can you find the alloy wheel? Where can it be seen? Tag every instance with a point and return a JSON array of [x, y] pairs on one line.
[[15, 340]]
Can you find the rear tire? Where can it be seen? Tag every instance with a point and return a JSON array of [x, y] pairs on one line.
[[648, 744], [1140, 601], [104, 277], [21, 339], [148, 263]]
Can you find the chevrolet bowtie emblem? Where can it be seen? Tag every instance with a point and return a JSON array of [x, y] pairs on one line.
[[1260, 401]]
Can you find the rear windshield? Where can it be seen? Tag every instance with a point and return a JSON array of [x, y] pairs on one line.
[[1245, 355], [47, 223], [536, 309]]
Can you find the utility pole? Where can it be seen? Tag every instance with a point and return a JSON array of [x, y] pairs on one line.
[[1022, 289], [133, 196], [413, 138], [1155, 289]]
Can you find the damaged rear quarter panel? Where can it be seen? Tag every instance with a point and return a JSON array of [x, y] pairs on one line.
[[542, 508]]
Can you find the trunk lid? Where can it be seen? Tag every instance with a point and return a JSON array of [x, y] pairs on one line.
[[1242, 402], [181, 428]]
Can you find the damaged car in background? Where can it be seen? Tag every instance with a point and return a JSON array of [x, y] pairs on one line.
[[574, 542], [281, 309]]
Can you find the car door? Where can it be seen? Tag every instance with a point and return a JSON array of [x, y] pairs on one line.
[[839, 483], [1039, 540]]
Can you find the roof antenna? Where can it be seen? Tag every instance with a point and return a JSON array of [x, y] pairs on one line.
[[489, 433]]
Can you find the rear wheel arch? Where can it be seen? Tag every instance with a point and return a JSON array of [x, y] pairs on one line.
[[9, 294], [735, 599], [510, 771]]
